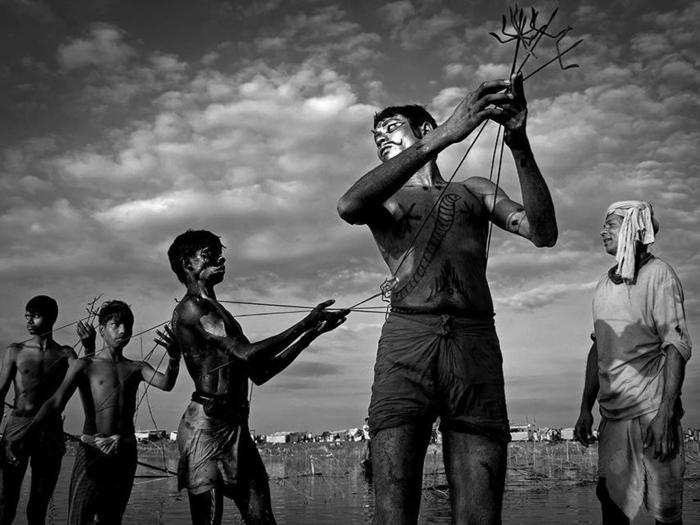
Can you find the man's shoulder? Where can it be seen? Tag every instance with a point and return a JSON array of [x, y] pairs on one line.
[[15, 348], [659, 270], [191, 308]]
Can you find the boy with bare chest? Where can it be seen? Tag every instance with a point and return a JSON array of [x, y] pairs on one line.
[[35, 368], [105, 460]]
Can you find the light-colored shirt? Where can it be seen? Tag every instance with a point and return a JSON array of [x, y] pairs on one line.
[[633, 325]]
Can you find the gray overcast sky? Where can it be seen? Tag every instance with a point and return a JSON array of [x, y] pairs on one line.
[[125, 123]]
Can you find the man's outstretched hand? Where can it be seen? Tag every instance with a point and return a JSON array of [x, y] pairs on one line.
[[167, 340], [320, 320], [333, 321], [87, 334]]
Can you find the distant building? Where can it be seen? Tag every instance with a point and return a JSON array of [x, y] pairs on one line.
[[278, 437], [521, 433], [567, 434], [173, 436]]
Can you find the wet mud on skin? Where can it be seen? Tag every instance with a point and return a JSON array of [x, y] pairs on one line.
[[340, 493]]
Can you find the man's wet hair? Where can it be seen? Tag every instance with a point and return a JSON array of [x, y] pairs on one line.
[[115, 310], [415, 114], [186, 245], [44, 305]]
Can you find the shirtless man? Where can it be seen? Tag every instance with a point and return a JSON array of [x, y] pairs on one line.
[[35, 368], [217, 455], [438, 353], [105, 460]]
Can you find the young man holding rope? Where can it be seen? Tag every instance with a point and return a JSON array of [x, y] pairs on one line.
[[438, 354], [105, 460], [217, 455], [35, 367]]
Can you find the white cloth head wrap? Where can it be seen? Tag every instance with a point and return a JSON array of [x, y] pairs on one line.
[[637, 226]]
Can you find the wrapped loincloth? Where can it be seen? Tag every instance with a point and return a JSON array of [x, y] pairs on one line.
[[49, 441], [213, 439], [101, 483], [431, 365], [633, 476]]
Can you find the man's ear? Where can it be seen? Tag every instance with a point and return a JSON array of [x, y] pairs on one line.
[[426, 128], [185, 262]]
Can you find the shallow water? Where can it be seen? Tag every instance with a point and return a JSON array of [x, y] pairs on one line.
[[344, 497]]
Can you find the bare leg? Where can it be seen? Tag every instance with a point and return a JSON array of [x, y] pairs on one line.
[[206, 508], [612, 514], [476, 472], [10, 486], [253, 495], [45, 471], [397, 466]]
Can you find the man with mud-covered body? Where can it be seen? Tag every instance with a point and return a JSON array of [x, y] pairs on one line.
[[35, 368], [106, 457], [438, 354], [217, 455]]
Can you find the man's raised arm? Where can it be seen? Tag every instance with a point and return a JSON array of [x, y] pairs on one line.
[[164, 381], [536, 219], [362, 201]]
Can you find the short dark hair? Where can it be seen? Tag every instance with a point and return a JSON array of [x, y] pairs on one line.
[[186, 245], [415, 114], [44, 305], [117, 311]]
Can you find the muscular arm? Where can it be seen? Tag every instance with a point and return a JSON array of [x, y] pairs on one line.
[[209, 325], [282, 360], [535, 219], [286, 356], [163, 381], [363, 202], [584, 426], [8, 371]]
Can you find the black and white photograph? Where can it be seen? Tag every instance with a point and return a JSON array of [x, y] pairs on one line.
[[348, 262]]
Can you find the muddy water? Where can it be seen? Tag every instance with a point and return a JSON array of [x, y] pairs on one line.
[[341, 496]]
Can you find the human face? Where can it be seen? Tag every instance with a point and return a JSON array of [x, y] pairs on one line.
[[207, 264], [392, 136], [116, 333], [609, 233], [37, 323]]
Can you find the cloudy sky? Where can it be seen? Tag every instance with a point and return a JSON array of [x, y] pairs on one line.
[[125, 123]]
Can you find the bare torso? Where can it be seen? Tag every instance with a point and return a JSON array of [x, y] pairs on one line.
[[445, 272], [202, 354], [38, 373], [108, 391]]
